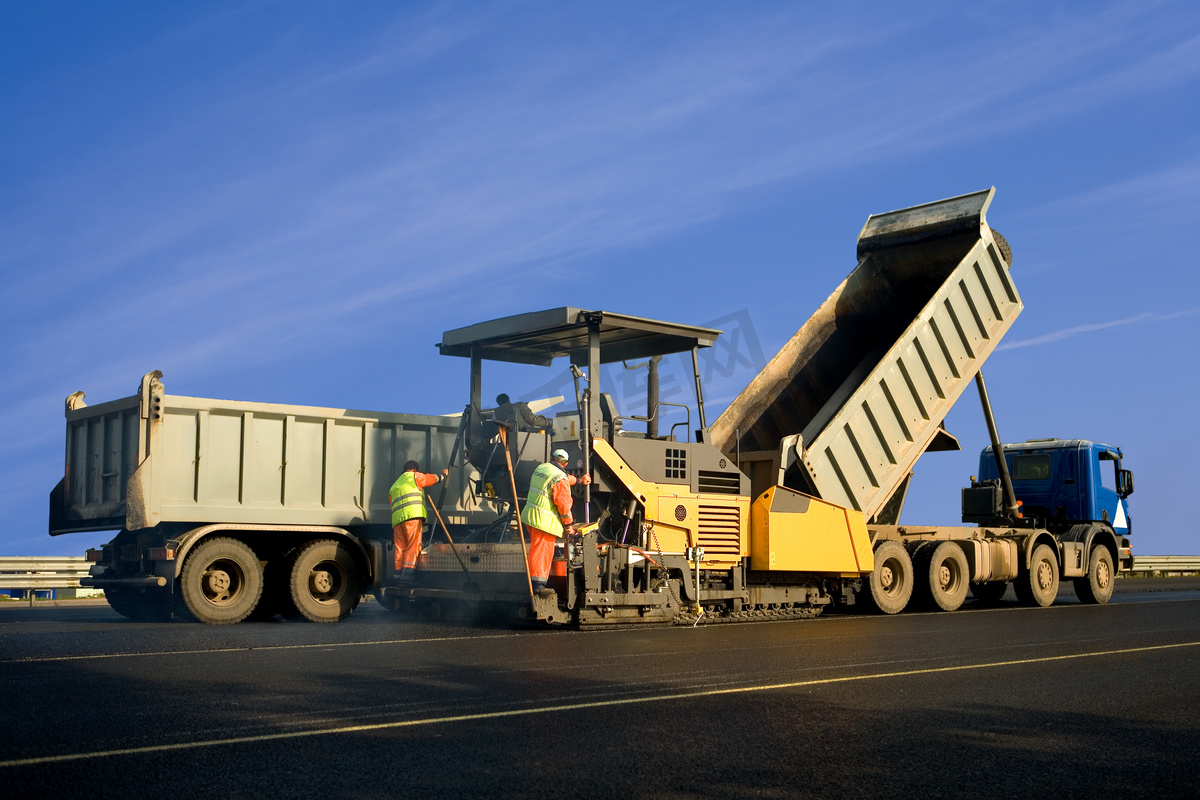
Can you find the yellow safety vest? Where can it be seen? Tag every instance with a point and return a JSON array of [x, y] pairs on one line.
[[408, 499], [539, 511]]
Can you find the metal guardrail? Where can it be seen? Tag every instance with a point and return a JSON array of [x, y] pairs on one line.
[[1164, 566], [42, 572]]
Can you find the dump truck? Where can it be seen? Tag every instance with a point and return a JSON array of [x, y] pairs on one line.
[[789, 503], [847, 406]]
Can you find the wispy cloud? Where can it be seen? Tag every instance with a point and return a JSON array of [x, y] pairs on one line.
[[1079, 330], [1148, 201], [565, 149], [396, 174]]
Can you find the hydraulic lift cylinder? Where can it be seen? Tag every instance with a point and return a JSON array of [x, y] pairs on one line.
[[1010, 496]]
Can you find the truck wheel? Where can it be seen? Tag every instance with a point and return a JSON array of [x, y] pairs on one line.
[[989, 593], [324, 581], [1097, 586], [891, 583], [1038, 585], [947, 574], [139, 606], [221, 581]]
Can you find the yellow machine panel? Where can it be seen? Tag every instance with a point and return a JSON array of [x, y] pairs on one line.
[[716, 523], [668, 538], [791, 531], [680, 519]]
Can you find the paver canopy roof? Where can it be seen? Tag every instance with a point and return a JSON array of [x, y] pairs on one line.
[[539, 337]]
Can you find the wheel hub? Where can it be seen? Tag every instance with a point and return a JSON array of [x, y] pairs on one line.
[[1103, 576], [1043, 576], [217, 581], [944, 575], [321, 581], [886, 577]]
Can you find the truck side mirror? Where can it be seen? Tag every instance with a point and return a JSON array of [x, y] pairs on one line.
[[1124, 483]]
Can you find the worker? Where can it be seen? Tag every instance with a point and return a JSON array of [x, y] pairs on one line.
[[407, 497], [547, 515], [519, 415]]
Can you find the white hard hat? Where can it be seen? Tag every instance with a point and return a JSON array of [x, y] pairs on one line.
[[559, 455]]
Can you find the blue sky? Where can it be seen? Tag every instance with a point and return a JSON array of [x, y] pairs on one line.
[[269, 201]]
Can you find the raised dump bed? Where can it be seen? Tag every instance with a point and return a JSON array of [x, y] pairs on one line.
[[867, 381]]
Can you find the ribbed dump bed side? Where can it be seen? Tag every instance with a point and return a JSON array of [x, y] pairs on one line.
[[189, 459], [857, 456], [870, 376]]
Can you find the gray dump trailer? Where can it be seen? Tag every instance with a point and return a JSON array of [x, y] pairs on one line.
[[205, 492], [851, 402]]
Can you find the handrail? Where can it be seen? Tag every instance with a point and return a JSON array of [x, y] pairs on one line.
[[649, 417]]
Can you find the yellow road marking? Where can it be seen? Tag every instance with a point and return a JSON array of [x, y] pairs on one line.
[[380, 726]]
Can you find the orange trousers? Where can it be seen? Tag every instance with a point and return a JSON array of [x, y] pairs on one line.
[[407, 538], [541, 553]]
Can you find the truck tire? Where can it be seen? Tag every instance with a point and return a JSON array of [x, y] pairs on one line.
[[221, 581], [139, 606], [325, 581], [946, 573], [1038, 585], [1004, 247], [891, 583], [1097, 586], [989, 593]]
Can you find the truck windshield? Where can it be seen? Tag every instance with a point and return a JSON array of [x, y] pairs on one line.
[[1108, 474]]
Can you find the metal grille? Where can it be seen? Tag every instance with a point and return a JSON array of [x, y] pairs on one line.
[[710, 482], [720, 531]]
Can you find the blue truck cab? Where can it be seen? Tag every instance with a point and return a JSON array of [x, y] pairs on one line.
[[1065, 482], [1074, 488]]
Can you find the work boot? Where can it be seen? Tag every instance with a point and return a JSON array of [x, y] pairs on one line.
[[408, 578], [546, 591]]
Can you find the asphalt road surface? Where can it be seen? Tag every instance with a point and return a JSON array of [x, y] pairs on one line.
[[1074, 700]]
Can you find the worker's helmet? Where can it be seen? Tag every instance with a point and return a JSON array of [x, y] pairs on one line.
[[559, 455]]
